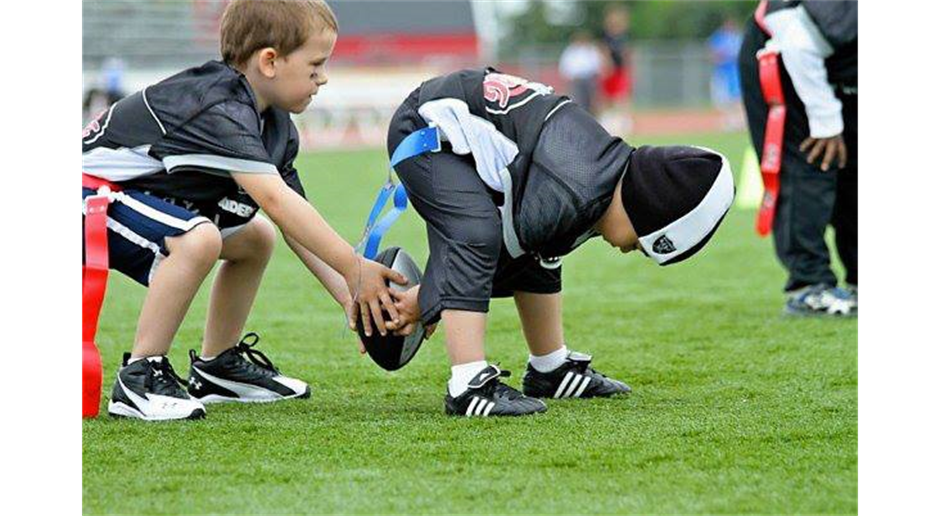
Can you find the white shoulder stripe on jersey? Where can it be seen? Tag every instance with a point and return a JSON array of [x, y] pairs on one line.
[[219, 162], [556, 108], [154, 115], [514, 106]]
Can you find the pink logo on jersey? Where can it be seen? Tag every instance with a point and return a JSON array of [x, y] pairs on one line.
[[94, 126], [500, 88]]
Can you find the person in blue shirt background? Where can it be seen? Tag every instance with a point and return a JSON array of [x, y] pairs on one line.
[[724, 44]]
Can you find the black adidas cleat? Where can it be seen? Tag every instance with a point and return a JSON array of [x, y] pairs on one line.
[[573, 379], [150, 390], [241, 374], [487, 396]]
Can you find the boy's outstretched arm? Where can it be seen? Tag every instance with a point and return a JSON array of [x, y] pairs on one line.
[[406, 302], [329, 278], [365, 279]]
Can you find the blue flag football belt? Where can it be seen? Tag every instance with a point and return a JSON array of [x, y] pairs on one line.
[[415, 144]]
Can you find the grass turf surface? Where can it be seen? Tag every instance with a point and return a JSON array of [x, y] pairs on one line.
[[735, 409]]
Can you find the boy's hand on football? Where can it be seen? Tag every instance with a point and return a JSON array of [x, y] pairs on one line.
[[828, 148], [409, 313], [368, 285]]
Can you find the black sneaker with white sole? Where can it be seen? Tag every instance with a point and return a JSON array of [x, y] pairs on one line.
[[149, 389], [488, 396], [573, 379], [241, 374]]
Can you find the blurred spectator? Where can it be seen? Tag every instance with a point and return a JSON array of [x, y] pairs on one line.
[[109, 90], [616, 84], [112, 75], [580, 64], [94, 102], [724, 45]]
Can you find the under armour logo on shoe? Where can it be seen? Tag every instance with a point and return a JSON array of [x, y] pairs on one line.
[[663, 245]]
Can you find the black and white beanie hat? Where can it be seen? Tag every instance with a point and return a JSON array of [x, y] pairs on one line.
[[676, 197]]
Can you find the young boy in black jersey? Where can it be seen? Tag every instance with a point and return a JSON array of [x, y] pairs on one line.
[[523, 178], [189, 161]]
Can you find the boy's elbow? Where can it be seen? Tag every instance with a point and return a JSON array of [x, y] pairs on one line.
[[271, 198], [271, 203]]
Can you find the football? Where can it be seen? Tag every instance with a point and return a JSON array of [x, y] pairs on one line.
[[393, 352]]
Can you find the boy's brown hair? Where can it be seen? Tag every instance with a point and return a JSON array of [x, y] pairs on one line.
[[285, 25]]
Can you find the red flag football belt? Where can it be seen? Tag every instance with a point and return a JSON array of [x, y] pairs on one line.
[[94, 283], [772, 154]]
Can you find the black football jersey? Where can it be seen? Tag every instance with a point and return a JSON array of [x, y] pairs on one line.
[[562, 166], [180, 139]]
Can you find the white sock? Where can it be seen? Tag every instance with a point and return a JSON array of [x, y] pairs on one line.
[[461, 374], [549, 362]]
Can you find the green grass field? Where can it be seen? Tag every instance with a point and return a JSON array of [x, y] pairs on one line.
[[735, 409]]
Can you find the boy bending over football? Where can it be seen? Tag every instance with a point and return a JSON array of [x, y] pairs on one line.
[[523, 178]]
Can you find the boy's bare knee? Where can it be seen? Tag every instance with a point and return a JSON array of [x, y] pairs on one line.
[[263, 235], [203, 243], [254, 242]]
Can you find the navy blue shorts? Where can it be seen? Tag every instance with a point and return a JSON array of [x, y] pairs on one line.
[[138, 226]]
